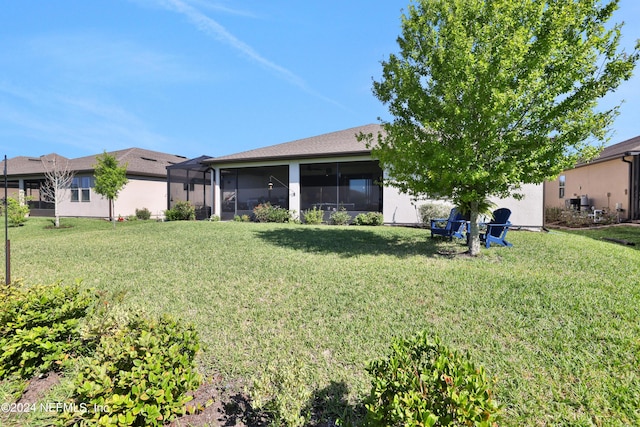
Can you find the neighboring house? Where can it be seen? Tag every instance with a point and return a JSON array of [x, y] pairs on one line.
[[610, 182], [330, 171], [147, 186]]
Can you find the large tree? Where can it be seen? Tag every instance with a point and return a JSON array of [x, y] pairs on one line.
[[110, 178], [487, 95]]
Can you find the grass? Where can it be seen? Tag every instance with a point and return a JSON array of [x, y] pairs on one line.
[[555, 319]]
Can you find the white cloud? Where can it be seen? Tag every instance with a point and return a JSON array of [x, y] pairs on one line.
[[97, 58], [220, 7], [212, 28]]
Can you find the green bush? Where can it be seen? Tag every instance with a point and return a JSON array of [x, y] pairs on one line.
[[340, 217], [552, 215], [313, 216], [573, 218], [16, 213], [265, 212], [424, 383], [430, 211], [181, 211], [143, 214], [39, 326], [242, 218], [369, 218], [283, 392], [140, 375], [214, 218]]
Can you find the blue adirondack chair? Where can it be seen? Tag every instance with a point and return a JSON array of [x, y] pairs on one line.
[[454, 227], [497, 229]]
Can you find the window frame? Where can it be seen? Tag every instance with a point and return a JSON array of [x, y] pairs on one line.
[[81, 189]]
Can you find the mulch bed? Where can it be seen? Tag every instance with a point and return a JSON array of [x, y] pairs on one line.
[[223, 403]]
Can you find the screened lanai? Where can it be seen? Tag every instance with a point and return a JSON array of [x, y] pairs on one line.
[[191, 181]]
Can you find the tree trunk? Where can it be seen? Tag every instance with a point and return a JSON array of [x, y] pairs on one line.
[[112, 217], [474, 239], [56, 221]]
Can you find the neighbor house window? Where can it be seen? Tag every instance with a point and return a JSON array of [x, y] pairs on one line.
[[561, 185], [81, 189]]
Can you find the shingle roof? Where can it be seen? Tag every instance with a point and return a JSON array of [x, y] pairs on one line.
[[139, 162], [339, 143], [619, 149], [25, 165], [616, 150]]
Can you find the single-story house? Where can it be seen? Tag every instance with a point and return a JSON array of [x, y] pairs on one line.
[[329, 171], [147, 186], [611, 182]]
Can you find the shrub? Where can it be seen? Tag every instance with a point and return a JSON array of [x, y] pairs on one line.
[[182, 211], [214, 218], [430, 211], [552, 215], [139, 375], [265, 212], [340, 217], [242, 218], [283, 392], [424, 383], [39, 326], [370, 218], [577, 219], [313, 216], [143, 214], [16, 213]]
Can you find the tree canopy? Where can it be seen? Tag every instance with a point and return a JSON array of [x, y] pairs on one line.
[[487, 95], [110, 178]]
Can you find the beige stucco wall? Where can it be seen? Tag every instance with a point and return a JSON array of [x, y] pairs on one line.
[[137, 194], [606, 184], [401, 209], [527, 212]]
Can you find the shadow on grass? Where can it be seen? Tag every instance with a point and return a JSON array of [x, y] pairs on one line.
[[355, 241], [330, 404], [327, 407], [621, 235]]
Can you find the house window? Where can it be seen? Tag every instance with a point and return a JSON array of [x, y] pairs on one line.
[[81, 188], [561, 186]]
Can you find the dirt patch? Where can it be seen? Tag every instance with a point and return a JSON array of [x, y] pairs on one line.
[[455, 253], [38, 387], [224, 404]]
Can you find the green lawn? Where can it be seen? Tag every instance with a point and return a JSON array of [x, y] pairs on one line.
[[555, 319]]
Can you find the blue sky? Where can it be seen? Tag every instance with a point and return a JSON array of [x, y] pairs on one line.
[[213, 77]]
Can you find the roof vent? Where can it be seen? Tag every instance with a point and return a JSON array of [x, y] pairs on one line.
[[149, 159]]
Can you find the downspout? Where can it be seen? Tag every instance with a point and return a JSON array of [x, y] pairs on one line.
[[168, 188], [630, 185]]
